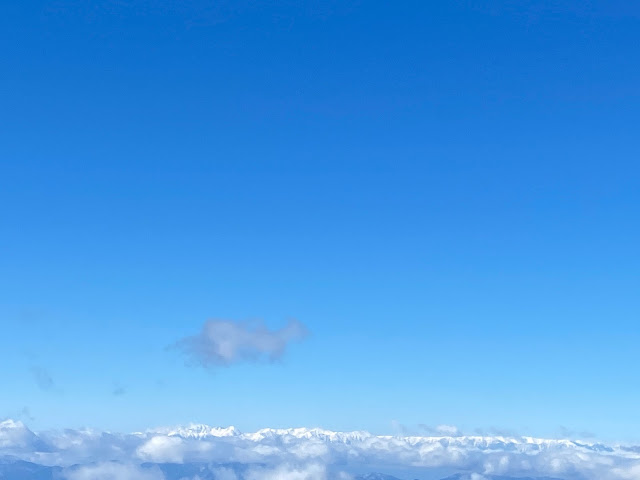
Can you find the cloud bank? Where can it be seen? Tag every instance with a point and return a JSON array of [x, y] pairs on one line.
[[200, 452], [222, 343]]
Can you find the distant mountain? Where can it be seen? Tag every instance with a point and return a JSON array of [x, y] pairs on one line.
[[201, 471], [13, 469], [457, 476], [468, 476], [20, 470], [376, 476]]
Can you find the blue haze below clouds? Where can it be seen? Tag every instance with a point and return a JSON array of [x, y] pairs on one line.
[[445, 194]]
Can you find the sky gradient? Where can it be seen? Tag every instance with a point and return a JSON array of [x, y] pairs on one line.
[[445, 195]]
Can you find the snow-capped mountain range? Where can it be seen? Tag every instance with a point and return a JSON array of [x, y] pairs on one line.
[[317, 453], [203, 432]]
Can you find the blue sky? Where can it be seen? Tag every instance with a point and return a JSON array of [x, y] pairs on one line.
[[445, 194]]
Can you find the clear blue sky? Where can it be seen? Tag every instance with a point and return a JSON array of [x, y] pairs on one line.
[[446, 194]]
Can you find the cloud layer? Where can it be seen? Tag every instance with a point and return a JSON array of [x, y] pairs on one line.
[[222, 343], [309, 454]]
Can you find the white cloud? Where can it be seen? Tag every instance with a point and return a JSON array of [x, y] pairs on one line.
[[15, 436], [162, 449], [628, 473], [222, 343], [224, 473], [473, 476], [113, 471]]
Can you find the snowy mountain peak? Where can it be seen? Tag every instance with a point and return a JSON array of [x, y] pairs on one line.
[[203, 432], [197, 431]]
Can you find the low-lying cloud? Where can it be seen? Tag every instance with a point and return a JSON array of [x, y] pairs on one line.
[[113, 471], [222, 343], [199, 452]]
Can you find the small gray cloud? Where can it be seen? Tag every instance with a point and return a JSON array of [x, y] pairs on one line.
[[25, 413], [222, 343], [119, 391], [43, 378], [401, 429]]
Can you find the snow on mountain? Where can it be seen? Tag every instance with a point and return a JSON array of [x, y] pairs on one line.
[[203, 432], [197, 431], [308, 434]]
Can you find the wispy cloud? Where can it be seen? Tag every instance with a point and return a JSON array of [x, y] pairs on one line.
[[25, 413], [441, 430], [42, 377], [571, 433], [495, 431], [222, 343], [118, 391]]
